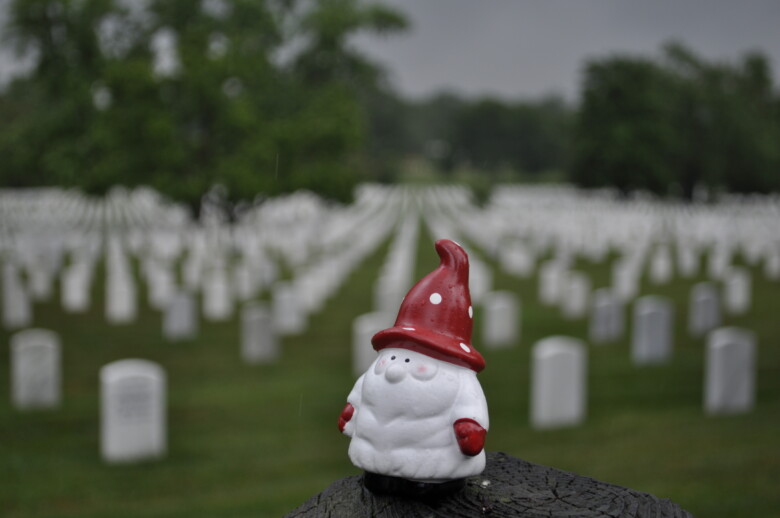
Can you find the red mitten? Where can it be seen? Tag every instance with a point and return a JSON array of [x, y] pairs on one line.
[[345, 416], [470, 435]]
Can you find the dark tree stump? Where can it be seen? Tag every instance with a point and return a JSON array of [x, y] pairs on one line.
[[508, 487]]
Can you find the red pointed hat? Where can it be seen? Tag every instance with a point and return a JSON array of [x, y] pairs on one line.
[[436, 317]]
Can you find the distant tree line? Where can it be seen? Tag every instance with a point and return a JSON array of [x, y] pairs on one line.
[[671, 125], [269, 96], [500, 139], [666, 126]]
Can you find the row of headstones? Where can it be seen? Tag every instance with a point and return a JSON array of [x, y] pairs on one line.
[[582, 220], [571, 290], [397, 270], [559, 364], [132, 391], [559, 377], [289, 298], [53, 208], [518, 230], [652, 331], [157, 247], [437, 205]]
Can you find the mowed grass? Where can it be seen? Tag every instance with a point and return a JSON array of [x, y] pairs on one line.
[[259, 440]]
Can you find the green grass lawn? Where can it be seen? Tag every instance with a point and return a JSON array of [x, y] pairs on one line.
[[259, 440]]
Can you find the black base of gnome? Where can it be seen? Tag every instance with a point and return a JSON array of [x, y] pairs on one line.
[[396, 486]]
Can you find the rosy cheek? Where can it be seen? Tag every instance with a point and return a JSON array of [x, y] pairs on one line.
[[422, 369]]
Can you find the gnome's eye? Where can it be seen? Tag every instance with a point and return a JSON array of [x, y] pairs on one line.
[[392, 357], [407, 360]]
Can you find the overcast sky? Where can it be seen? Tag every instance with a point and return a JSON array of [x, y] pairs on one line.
[[529, 48], [526, 49]]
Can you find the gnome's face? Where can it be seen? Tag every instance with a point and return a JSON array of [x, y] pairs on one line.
[[403, 382]]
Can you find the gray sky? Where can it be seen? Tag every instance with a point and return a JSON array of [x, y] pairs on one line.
[[525, 49]]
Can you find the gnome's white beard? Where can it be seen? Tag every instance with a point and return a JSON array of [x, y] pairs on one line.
[[404, 415]]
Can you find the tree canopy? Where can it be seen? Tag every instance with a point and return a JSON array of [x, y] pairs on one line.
[[259, 95], [671, 125]]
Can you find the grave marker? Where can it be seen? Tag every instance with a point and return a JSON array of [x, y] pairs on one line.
[[737, 291], [703, 309], [217, 297], [730, 371], [133, 407], [500, 319], [258, 339], [287, 310], [607, 317], [75, 288], [651, 340], [558, 382], [35, 369], [661, 266], [121, 304], [575, 295], [17, 308], [551, 277], [180, 320]]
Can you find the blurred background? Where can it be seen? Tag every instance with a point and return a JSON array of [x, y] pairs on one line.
[[245, 146]]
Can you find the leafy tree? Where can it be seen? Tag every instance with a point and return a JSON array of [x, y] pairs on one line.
[[623, 132], [529, 137], [678, 123], [181, 95]]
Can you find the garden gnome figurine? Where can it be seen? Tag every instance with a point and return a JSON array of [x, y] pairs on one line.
[[418, 417]]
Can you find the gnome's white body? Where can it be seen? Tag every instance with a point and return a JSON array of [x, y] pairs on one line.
[[405, 408]]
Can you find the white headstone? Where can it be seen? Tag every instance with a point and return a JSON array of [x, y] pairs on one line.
[[500, 319], [161, 285], [652, 335], [180, 320], [388, 293], [245, 281], [703, 309], [75, 292], [772, 265], [287, 310], [17, 309], [35, 369], [687, 260], [217, 297], [737, 291], [363, 328], [121, 299], [133, 411], [718, 261], [575, 296], [730, 371], [516, 259], [625, 280], [607, 317], [551, 277], [258, 338], [41, 280], [480, 280], [558, 382], [661, 266]]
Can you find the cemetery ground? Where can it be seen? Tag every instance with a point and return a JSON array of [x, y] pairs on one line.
[[259, 440]]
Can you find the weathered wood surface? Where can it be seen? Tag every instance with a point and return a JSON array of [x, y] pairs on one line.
[[508, 487]]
